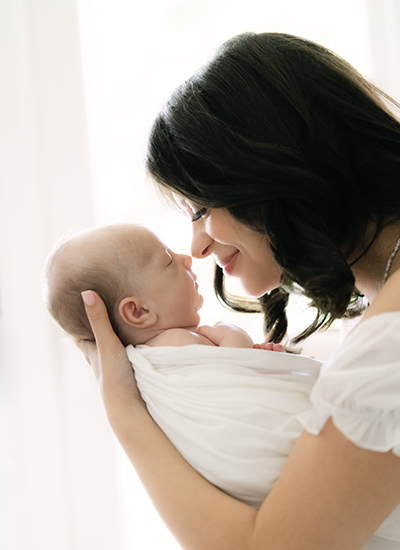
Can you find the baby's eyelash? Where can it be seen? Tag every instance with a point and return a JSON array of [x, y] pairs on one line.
[[199, 214]]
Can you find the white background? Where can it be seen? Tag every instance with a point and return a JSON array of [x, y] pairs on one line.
[[81, 84]]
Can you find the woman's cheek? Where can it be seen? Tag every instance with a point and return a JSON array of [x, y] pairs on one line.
[[258, 282]]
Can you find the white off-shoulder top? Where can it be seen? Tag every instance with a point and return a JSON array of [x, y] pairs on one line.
[[359, 388]]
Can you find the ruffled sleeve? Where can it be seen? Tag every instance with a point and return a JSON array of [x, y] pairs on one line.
[[359, 387]]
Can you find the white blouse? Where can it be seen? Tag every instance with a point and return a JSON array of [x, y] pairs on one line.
[[359, 388]]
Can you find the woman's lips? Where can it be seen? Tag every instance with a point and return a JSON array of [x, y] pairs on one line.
[[228, 263]]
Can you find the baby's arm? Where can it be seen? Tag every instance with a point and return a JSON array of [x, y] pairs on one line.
[[226, 335]]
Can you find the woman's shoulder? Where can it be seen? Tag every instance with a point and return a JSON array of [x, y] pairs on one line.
[[372, 345], [388, 297], [359, 386]]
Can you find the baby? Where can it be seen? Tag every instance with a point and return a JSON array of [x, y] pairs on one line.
[[150, 292], [229, 411]]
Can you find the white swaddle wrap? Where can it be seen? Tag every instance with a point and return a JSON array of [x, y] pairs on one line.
[[230, 412]]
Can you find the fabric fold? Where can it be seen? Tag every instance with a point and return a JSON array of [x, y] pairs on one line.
[[230, 412], [359, 387]]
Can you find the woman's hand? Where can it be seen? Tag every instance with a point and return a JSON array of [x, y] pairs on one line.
[[331, 493], [111, 366]]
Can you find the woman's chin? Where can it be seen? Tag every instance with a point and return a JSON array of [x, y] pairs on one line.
[[257, 291]]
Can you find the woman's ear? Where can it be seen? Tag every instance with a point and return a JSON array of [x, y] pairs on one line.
[[136, 314]]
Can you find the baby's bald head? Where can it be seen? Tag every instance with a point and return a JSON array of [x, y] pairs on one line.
[[108, 260]]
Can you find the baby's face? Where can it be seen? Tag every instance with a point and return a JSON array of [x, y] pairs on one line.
[[163, 280], [170, 284]]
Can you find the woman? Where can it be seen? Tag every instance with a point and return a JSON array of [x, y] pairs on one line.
[[289, 164]]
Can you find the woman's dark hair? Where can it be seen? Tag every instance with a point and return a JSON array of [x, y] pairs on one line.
[[297, 145]]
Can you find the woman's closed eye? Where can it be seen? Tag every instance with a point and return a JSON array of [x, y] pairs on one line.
[[199, 214]]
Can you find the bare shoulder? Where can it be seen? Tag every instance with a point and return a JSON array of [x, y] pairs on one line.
[[179, 337], [388, 298]]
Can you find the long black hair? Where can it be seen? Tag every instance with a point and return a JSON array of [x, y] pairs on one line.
[[297, 145]]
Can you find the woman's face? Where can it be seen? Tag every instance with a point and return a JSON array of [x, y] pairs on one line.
[[238, 250]]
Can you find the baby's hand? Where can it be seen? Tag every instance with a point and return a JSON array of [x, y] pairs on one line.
[[226, 335], [270, 346]]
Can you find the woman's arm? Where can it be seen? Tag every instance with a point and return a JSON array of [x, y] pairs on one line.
[[331, 494]]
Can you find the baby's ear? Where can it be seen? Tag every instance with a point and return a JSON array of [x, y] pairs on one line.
[[133, 312]]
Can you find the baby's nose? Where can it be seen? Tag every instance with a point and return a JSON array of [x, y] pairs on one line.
[[187, 261]]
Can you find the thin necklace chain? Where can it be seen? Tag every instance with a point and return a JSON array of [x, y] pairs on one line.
[[389, 264]]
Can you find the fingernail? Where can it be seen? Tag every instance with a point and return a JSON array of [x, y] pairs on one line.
[[88, 297]]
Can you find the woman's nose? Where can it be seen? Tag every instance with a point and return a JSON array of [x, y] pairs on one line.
[[201, 242]]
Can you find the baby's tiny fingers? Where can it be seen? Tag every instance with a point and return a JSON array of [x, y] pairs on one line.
[[268, 346], [279, 348]]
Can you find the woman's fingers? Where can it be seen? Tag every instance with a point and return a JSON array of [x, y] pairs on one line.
[[106, 339], [110, 362]]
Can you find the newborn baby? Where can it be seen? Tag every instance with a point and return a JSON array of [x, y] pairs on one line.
[[228, 408]]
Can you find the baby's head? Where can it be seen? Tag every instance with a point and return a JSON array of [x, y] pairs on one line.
[[146, 287]]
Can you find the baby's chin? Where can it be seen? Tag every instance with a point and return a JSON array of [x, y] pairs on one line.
[[201, 302], [198, 317]]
